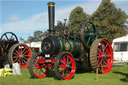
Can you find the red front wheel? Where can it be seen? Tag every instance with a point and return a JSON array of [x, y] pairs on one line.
[[37, 69], [19, 53], [65, 66]]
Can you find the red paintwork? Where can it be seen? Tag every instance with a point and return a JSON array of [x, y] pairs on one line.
[[46, 60], [40, 69], [67, 66]]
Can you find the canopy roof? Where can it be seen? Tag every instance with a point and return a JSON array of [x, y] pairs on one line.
[[121, 39]]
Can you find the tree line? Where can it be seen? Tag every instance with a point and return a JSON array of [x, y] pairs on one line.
[[110, 22]]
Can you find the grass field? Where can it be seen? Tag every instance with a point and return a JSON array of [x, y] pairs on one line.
[[117, 76]]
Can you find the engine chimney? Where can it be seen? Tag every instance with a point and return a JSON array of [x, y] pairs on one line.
[[51, 13]]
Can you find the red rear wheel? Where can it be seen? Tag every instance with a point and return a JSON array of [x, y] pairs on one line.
[[65, 66], [36, 69], [20, 53], [101, 55]]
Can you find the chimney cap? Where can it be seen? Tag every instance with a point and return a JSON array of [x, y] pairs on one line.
[[51, 3]]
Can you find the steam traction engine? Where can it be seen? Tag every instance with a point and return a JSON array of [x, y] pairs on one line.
[[11, 51], [67, 52]]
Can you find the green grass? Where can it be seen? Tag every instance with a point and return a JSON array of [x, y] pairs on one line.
[[117, 76]]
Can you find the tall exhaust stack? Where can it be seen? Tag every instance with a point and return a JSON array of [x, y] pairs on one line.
[[51, 14]]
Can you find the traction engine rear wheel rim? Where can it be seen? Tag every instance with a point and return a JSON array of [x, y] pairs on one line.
[[65, 66], [1, 50], [20, 53], [36, 69], [101, 55]]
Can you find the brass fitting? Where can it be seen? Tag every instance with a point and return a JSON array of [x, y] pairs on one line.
[[51, 3]]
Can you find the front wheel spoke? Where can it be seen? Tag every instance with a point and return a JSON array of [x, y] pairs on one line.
[[33, 67], [61, 66], [62, 61], [36, 70], [66, 72], [69, 62], [39, 72], [63, 58], [61, 70], [42, 70]]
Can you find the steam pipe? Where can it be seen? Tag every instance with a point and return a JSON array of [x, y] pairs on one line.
[[51, 14]]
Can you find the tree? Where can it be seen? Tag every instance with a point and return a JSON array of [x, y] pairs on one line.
[[77, 18], [109, 20], [38, 36]]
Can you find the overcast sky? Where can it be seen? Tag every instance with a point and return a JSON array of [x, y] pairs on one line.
[[23, 17]]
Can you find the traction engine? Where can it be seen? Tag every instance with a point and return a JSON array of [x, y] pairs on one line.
[[11, 51], [67, 52]]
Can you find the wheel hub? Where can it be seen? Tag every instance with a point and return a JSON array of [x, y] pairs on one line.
[[21, 56], [67, 65], [104, 56]]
